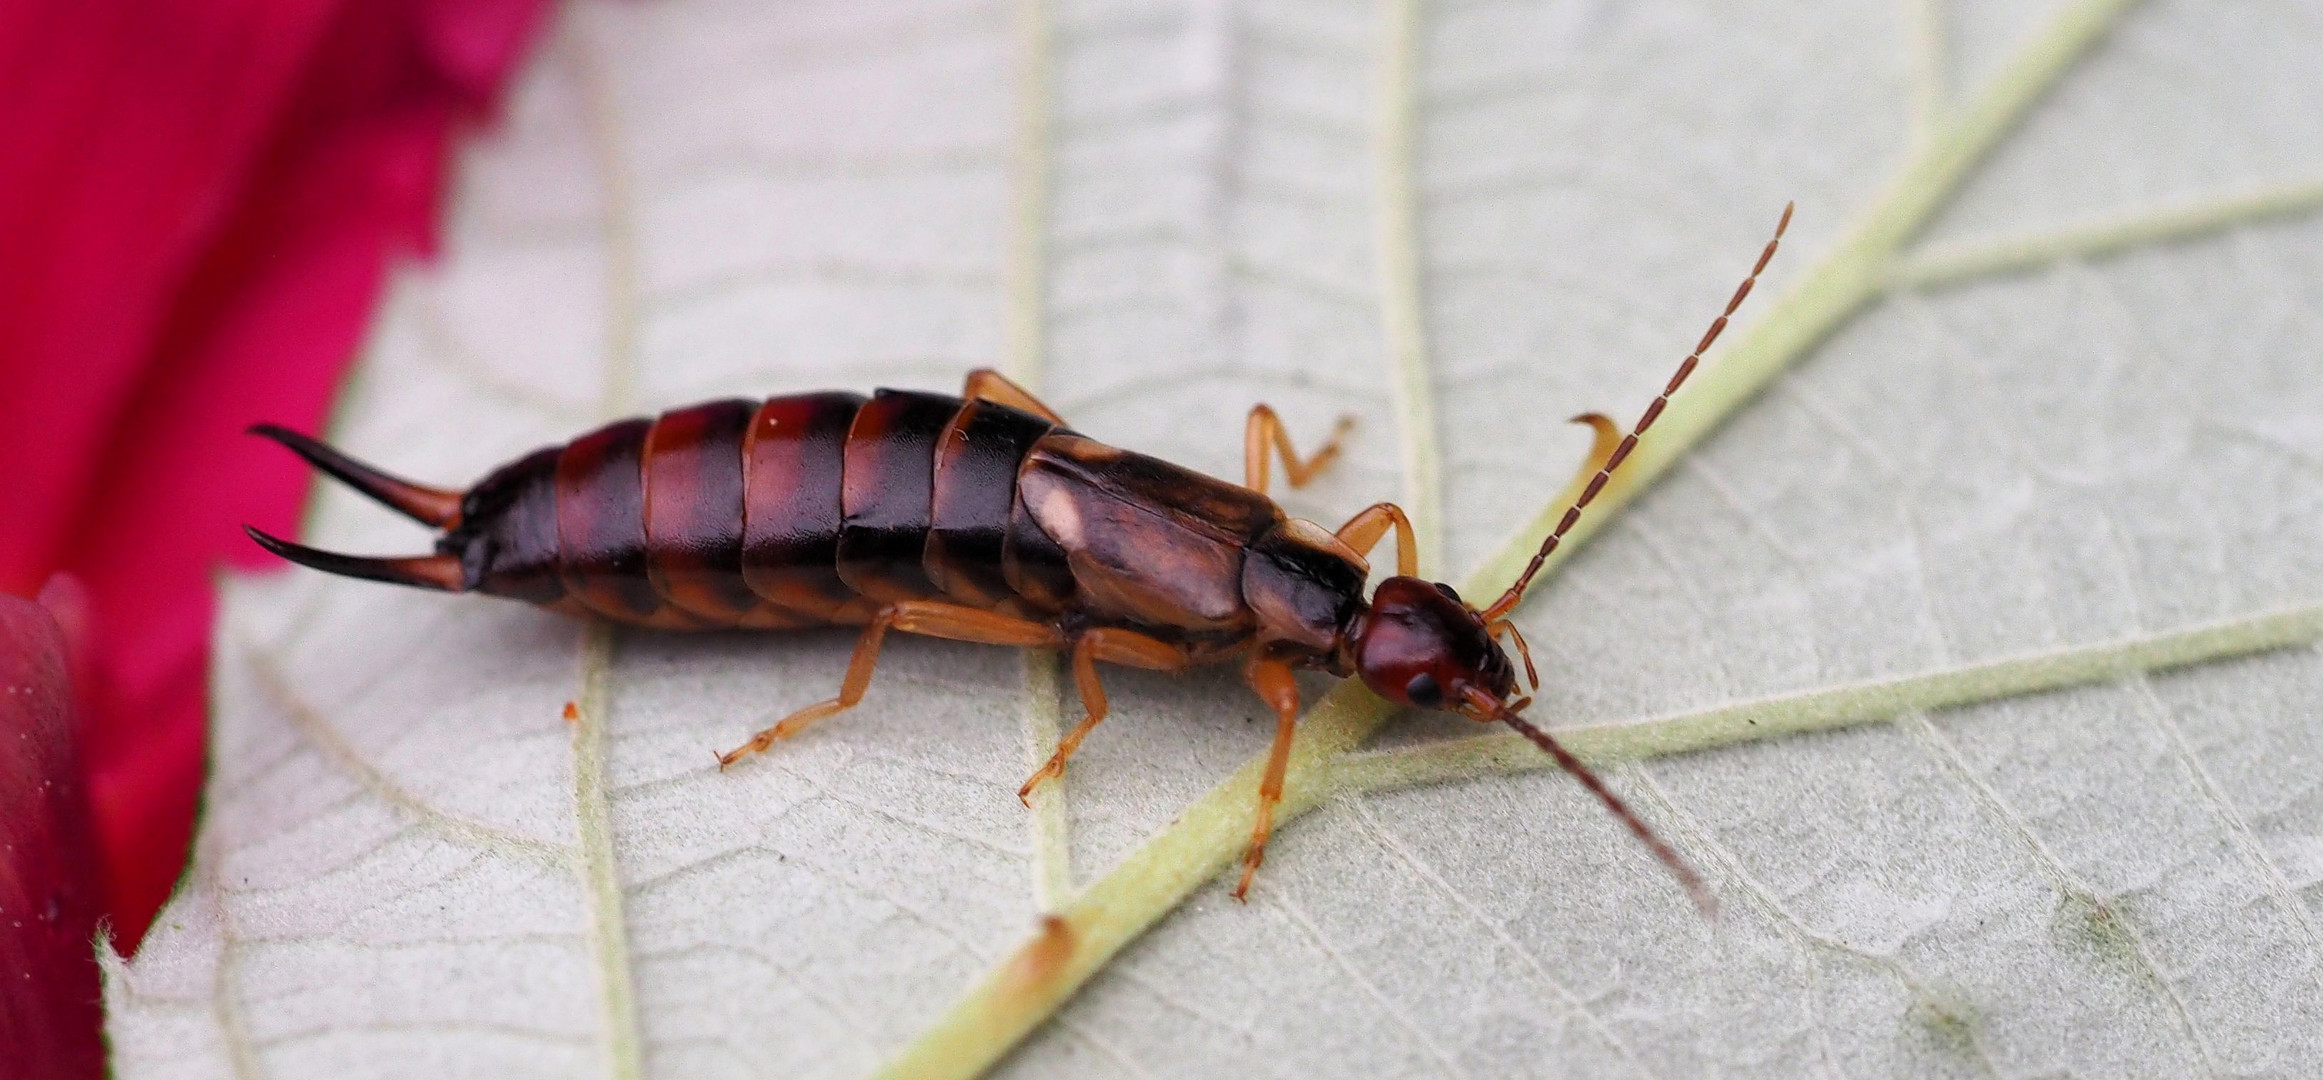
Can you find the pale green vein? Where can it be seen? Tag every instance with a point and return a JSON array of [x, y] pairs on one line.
[[1842, 282], [607, 914], [1051, 825], [320, 733], [1351, 975], [600, 877], [1401, 308], [231, 1028], [1009, 1001], [1925, 46], [1025, 360], [2101, 916], [1965, 261], [1688, 835], [619, 224], [1029, 168], [1835, 707], [1369, 825], [513, 1032], [2286, 895], [1732, 874], [223, 1006]]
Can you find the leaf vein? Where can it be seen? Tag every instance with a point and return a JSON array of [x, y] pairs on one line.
[[2164, 718], [1280, 900], [318, 732], [2067, 883], [1369, 825], [994, 1013]]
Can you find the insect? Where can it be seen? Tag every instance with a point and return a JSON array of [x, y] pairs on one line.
[[983, 518]]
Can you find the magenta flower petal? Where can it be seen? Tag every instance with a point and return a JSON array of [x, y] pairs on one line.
[[49, 1009], [198, 203]]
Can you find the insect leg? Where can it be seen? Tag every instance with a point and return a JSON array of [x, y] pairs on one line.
[[1502, 626], [1112, 645], [930, 618], [1604, 436], [1264, 429], [1362, 532], [991, 385], [959, 622], [1279, 688]]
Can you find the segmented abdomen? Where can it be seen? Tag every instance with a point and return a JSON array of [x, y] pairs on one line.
[[795, 511]]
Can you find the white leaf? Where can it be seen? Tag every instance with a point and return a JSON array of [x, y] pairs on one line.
[[2078, 419]]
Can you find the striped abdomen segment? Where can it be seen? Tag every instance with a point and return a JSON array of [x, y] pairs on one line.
[[795, 511]]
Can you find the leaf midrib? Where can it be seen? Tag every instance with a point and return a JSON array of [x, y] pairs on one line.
[[1924, 271], [994, 1014]]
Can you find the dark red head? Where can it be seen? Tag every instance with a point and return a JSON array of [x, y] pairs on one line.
[[1420, 644]]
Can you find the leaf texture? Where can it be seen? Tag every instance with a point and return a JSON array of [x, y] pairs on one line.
[[2019, 557]]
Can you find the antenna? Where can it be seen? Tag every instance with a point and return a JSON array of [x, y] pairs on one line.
[[1685, 872], [1508, 600]]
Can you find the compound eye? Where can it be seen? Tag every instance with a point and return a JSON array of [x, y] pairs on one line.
[[1447, 591], [1423, 691]]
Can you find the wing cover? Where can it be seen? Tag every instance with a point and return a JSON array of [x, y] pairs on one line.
[[1148, 542]]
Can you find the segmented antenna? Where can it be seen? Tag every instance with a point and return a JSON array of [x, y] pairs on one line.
[[1696, 890], [1653, 412]]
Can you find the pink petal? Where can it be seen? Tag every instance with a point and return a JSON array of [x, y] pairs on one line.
[[49, 1008], [198, 201]]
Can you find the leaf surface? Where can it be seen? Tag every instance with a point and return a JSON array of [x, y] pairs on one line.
[[2054, 444]]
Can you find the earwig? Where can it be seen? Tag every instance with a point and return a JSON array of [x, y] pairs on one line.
[[983, 518]]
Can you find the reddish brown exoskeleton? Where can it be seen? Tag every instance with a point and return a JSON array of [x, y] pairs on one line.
[[982, 518]]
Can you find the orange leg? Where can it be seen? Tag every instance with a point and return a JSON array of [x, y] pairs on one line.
[[930, 618], [990, 385], [1607, 440], [1605, 435], [1502, 626], [1280, 690], [1362, 532], [1264, 430], [1112, 645]]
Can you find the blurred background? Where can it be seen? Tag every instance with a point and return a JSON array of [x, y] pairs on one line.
[[2046, 331]]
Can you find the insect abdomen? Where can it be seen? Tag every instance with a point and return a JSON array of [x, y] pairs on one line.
[[795, 457], [696, 516], [600, 515], [799, 510], [888, 493], [975, 502]]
